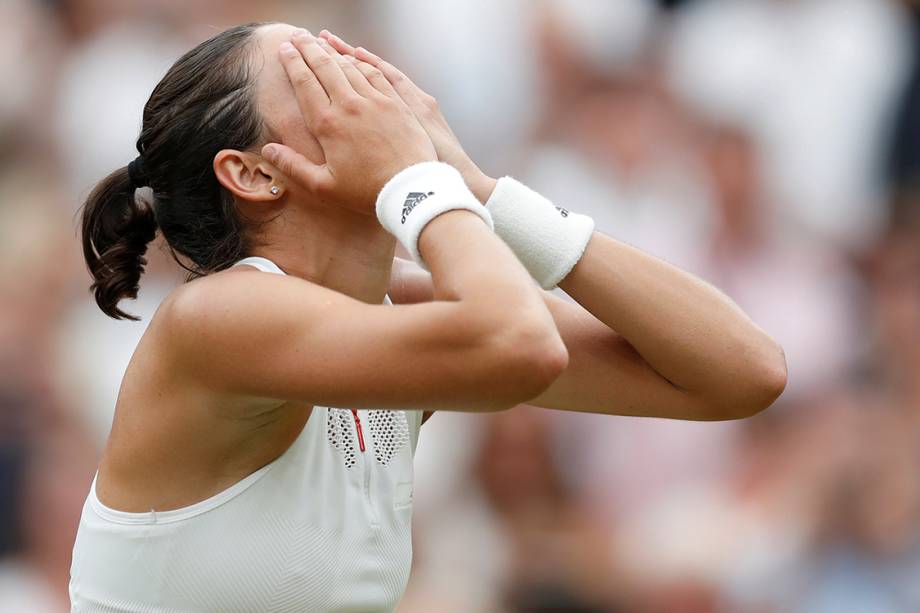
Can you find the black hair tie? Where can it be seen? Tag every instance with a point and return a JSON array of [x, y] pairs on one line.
[[136, 173]]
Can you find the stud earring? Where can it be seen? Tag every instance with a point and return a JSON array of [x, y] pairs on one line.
[[275, 190]]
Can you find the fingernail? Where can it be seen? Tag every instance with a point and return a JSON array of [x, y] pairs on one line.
[[270, 152], [288, 48], [301, 33]]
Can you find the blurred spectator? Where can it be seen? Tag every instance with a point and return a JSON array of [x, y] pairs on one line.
[[800, 290], [46, 466], [519, 540], [804, 76], [895, 275], [904, 161], [26, 31]]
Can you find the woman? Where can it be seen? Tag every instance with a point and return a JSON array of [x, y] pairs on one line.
[[261, 453]]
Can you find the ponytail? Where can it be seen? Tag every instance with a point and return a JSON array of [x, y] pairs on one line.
[[204, 103], [116, 231]]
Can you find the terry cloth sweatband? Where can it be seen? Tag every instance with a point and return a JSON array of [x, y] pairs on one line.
[[418, 194], [548, 240]]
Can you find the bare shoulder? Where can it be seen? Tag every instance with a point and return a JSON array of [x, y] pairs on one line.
[[206, 314], [214, 297]]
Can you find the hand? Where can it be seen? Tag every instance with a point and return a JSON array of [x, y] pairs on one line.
[[366, 131], [426, 110]]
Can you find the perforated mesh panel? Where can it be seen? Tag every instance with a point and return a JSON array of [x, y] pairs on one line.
[[340, 429], [390, 431]]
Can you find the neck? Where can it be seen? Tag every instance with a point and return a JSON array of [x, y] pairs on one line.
[[333, 247]]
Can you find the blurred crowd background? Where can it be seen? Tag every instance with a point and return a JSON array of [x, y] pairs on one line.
[[770, 146]]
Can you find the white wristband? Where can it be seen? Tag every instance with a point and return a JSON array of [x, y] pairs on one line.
[[418, 194], [548, 240]]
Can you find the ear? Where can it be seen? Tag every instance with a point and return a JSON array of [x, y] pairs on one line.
[[248, 176]]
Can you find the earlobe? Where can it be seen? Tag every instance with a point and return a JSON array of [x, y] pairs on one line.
[[247, 176]]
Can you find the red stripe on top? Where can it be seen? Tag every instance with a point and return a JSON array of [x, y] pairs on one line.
[[354, 412]]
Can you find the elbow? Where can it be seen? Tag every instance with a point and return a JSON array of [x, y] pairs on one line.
[[769, 379], [761, 387], [531, 358], [544, 362]]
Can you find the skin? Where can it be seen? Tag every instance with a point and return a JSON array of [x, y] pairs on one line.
[[231, 365], [656, 342]]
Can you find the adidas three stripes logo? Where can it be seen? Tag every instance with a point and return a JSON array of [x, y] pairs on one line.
[[412, 201]]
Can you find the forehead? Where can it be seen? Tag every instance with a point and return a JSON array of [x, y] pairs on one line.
[[269, 37], [274, 94]]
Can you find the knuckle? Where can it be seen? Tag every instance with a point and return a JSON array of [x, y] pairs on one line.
[[308, 181], [326, 123], [352, 105], [303, 79], [323, 61], [386, 103], [430, 102], [322, 187], [286, 166]]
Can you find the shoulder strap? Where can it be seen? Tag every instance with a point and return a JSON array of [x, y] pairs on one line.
[[266, 265], [263, 264]]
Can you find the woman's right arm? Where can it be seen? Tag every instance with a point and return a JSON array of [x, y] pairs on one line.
[[487, 342]]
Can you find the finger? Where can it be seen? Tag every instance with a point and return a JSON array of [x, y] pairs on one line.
[[366, 56], [346, 50], [357, 79], [310, 95], [407, 90], [327, 70], [411, 94], [314, 177], [376, 78], [340, 45]]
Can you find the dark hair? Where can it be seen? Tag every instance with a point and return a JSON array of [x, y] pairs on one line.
[[205, 103]]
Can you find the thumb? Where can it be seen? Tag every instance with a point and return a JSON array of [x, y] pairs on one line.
[[314, 177]]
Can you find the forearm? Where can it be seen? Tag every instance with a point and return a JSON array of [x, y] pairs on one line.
[[487, 301], [429, 208], [688, 331], [468, 262], [495, 312], [691, 337]]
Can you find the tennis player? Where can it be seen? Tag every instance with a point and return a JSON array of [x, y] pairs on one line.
[[261, 453]]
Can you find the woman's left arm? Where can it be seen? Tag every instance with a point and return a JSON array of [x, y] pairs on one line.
[[646, 338], [649, 339]]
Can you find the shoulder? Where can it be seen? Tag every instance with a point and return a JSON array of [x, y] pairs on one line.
[[215, 330], [212, 296], [206, 313]]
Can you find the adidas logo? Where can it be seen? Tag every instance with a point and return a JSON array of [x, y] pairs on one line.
[[412, 201], [562, 211]]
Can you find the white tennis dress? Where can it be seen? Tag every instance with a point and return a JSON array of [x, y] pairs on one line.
[[324, 527]]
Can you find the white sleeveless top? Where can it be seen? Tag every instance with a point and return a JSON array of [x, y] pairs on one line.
[[324, 527]]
